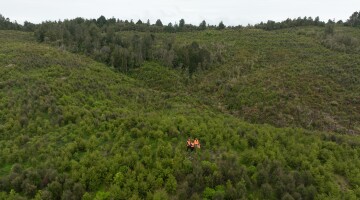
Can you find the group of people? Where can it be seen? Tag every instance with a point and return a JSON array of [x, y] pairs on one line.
[[191, 145]]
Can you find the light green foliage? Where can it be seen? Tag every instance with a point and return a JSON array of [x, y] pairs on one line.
[[171, 184], [102, 196], [160, 195], [208, 193]]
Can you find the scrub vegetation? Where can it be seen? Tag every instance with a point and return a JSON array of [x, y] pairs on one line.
[[102, 109]]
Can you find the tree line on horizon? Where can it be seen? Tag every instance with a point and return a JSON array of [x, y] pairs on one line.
[[158, 26], [122, 25]]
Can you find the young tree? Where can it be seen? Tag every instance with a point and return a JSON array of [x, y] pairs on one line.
[[171, 184], [329, 29]]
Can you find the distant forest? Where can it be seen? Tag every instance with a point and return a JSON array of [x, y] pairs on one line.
[[102, 39], [158, 26]]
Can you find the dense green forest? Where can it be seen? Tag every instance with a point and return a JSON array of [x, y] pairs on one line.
[[102, 109]]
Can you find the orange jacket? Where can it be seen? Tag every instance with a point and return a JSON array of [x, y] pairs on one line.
[[196, 142]]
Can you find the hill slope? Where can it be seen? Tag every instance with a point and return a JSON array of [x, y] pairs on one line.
[[285, 77], [72, 128], [301, 77]]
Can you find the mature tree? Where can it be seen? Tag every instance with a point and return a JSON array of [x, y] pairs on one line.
[[158, 23], [5, 23], [194, 57], [202, 25], [317, 20], [137, 50], [28, 26], [56, 189], [147, 48], [169, 28], [101, 21], [120, 58], [181, 23], [221, 25], [139, 22], [354, 19]]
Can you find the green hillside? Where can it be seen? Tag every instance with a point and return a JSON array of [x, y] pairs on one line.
[[304, 76], [285, 78], [74, 128]]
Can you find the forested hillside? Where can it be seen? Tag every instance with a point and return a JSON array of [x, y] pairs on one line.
[[306, 76], [89, 111]]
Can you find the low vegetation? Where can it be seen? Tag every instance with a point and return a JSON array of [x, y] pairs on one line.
[[276, 112]]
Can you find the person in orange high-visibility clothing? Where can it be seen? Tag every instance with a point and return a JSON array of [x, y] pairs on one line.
[[197, 143], [189, 144]]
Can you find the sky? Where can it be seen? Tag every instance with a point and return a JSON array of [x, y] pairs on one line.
[[231, 12]]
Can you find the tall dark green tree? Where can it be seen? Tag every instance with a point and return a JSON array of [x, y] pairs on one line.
[[202, 25], [354, 19], [181, 23], [5, 23], [158, 23], [101, 21], [169, 28], [139, 22], [28, 26], [317, 20], [194, 57], [221, 26]]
